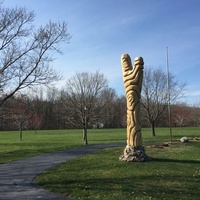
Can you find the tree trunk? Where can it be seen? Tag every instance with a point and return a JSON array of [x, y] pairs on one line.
[[20, 134], [153, 129], [181, 130], [85, 136]]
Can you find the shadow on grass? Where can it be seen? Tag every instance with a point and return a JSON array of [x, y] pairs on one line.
[[175, 160], [17, 155], [143, 186], [29, 150]]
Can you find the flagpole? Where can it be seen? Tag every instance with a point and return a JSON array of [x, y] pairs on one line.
[[168, 91]]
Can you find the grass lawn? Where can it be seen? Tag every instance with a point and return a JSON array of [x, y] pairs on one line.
[[173, 173], [11, 148]]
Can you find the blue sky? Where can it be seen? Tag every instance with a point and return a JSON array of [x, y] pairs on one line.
[[103, 30]]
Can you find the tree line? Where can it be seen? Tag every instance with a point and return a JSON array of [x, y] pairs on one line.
[[87, 101]]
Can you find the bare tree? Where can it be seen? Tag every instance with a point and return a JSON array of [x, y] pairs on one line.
[[120, 115], [35, 121], [181, 114], [82, 99], [155, 93], [195, 112], [20, 113], [25, 51], [106, 105]]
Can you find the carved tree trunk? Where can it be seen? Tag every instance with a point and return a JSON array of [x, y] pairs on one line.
[[132, 78]]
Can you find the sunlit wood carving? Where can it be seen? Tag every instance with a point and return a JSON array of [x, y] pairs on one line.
[[132, 77]]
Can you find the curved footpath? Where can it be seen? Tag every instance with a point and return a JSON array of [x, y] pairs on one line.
[[16, 178]]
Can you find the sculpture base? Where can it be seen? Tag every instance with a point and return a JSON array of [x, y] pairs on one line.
[[134, 154]]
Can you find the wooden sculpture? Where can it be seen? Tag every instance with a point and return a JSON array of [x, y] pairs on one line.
[[132, 78]]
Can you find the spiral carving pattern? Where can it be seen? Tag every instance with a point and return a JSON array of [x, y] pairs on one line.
[[132, 77]]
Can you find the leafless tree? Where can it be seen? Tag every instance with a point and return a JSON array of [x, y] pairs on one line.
[[26, 51], [106, 104], [195, 112], [84, 99], [20, 113], [119, 114], [181, 115], [155, 93]]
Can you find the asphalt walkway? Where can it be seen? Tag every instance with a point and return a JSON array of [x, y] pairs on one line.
[[16, 178]]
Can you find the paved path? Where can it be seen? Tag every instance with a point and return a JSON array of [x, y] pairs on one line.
[[16, 177]]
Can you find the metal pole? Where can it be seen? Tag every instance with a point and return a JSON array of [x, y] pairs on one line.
[[168, 89]]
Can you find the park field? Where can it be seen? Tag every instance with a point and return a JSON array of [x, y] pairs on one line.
[[44, 141], [173, 173]]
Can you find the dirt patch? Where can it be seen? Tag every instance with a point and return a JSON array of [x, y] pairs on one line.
[[159, 146], [194, 139]]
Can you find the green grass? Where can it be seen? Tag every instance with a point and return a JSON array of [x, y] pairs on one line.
[[173, 173], [11, 148]]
